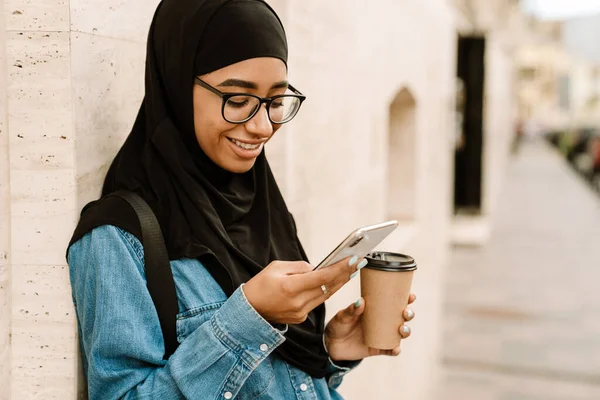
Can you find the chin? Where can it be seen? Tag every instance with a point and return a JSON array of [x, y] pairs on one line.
[[239, 167]]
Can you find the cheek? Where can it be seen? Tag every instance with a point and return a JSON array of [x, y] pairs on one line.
[[208, 126]]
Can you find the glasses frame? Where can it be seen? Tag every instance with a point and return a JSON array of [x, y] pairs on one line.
[[262, 100]]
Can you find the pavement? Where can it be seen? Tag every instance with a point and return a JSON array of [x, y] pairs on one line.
[[522, 313]]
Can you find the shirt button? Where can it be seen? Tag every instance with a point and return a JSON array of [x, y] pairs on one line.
[[264, 347], [228, 395], [304, 387]]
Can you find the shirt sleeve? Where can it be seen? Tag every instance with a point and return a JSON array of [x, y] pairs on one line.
[[122, 341], [336, 370]]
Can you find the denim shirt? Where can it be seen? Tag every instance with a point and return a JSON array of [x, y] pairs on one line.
[[226, 347]]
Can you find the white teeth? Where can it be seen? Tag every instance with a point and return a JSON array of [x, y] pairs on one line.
[[245, 145]]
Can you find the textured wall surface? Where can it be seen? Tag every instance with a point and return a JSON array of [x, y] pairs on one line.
[[42, 198], [5, 314], [75, 83]]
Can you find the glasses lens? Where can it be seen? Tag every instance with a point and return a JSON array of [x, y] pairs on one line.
[[240, 108], [284, 108]]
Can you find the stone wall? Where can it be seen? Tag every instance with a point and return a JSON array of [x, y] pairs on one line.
[[42, 198]]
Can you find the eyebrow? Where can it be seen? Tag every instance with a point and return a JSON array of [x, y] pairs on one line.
[[250, 85]]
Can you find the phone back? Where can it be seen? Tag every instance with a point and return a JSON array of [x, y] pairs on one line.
[[360, 242]]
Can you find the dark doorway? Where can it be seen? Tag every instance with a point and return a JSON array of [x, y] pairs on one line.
[[469, 146]]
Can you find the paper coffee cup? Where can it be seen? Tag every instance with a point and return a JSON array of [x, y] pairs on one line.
[[385, 285]]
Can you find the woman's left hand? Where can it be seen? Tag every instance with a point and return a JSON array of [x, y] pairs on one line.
[[344, 334]]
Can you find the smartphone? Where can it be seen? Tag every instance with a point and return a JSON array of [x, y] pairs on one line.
[[359, 243]]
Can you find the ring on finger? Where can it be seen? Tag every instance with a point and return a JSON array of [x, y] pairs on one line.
[[324, 289]]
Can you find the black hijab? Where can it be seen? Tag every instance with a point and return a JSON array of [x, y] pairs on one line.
[[235, 224]]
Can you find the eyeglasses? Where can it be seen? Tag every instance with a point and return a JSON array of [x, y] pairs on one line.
[[239, 108]]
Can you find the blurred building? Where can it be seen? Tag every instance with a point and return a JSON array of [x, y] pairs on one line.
[[559, 75], [409, 116], [580, 37], [544, 77]]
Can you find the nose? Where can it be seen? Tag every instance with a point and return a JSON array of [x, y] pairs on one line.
[[260, 124]]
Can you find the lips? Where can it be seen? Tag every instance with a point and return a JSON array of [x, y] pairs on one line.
[[244, 149], [245, 145]]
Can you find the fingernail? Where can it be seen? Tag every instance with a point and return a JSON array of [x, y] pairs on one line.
[[410, 313], [354, 275], [352, 261], [357, 304], [362, 264], [405, 329]]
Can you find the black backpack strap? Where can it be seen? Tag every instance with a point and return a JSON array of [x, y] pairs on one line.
[[159, 276]]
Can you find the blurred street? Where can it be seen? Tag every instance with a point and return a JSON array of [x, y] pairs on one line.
[[522, 313]]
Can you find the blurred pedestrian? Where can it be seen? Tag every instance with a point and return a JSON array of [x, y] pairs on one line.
[[518, 137]]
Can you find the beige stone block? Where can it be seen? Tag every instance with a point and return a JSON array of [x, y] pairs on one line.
[[35, 58], [42, 294], [41, 372], [43, 215], [40, 100], [34, 387], [5, 319], [108, 88], [129, 20], [43, 332], [42, 154], [5, 368], [37, 15], [5, 314], [4, 200]]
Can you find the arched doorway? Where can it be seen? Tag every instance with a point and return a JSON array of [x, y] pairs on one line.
[[401, 202]]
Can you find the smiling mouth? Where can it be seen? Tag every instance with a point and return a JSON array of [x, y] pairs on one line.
[[245, 146]]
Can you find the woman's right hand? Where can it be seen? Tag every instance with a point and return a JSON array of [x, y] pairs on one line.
[[285, 292]]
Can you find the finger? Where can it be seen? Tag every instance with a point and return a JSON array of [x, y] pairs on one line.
[[351, 313], [347, 273], [412, 298], [298, 267], [345, 267], [325, 276], [314, 302], [295, 271], [319, 295], [408, 314], [302, 277], [316, 297], [378, 352], [405, 331]]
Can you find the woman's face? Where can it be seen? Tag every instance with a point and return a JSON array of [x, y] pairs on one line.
[[263, 77]]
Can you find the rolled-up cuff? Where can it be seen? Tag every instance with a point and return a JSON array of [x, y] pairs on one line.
[[337, 369], [245, 331]]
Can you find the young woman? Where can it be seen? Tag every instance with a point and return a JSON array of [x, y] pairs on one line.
[[251, 313]]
